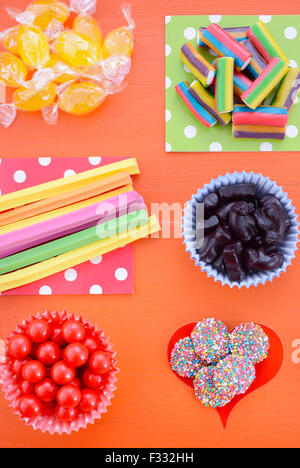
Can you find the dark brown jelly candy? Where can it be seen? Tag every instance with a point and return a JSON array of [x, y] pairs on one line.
[[269, 199], [271, 219], [233, 265], [260, 260], [237, 192], [211, 224], [210, 202], [214, 243], [241, 222]]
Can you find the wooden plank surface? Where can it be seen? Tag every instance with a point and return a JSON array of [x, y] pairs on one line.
[[151, 407]]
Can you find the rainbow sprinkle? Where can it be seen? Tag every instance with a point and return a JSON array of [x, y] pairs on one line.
[[249, 339], [211, 340], [238, 369], [184, 360]]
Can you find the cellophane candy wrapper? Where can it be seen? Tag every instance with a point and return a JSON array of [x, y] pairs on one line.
[[49, 423], [264, 185], [104, 77]]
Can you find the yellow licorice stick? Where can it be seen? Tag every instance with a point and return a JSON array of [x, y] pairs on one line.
[[75, 257], [62, 211], [55, 187]]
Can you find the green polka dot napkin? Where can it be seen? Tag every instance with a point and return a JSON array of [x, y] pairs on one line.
[[183, 131]]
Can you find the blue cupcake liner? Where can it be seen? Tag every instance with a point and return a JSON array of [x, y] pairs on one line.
[[264, 185]]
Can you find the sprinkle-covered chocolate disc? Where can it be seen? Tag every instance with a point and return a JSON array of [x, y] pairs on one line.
[[211, 340], [207, 392], [239, 369], [249, 339], [184, 361]]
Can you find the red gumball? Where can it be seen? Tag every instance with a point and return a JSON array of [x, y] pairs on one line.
[[56, 335], [89, 400], [62, 373], [91, 343], [76, 354], [46, 390], [48, 353], [100, 362], [39, 331], [33, 371], [68, 396], [26, 388], [17, 367], [90, 380], [30, 407], [66, 414], [19, 347], [73, 331]]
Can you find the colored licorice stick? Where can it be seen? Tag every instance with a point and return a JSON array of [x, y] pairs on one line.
[[197, 64], [75, 257], [288, 89], [58, 186], [239, 34], [65, 199], [207, 100], [197, 109], [240, 83], [224, 85], [257, 63], [265, 43], [259, 132], [73, 241], [222, 43], [65, 210], [31, 236], [264, 84], [264, 115]]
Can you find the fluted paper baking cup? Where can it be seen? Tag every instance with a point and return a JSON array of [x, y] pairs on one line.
[[264, 185], [49, 423]]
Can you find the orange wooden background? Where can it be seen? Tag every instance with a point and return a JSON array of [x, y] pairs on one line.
[[151, 407]]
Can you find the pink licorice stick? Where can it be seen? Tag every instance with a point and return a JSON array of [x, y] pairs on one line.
[[30, 236]]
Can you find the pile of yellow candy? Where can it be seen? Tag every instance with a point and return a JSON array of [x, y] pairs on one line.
[[54, 66]]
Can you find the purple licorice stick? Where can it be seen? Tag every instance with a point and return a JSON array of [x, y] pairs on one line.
[[30, 236]]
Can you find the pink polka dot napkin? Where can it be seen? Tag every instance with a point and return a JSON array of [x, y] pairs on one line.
[[110, 274]]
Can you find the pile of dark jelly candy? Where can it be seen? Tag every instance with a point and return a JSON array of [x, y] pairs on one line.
[[242, 231]]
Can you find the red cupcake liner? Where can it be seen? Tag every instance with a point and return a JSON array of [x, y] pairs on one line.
[[49, 423]]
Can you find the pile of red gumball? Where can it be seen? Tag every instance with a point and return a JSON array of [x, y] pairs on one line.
[[60, 367]]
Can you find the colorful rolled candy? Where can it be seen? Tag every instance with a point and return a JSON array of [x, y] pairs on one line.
[[222, 43], [257, 63], [265, 43], [239, 34], [263, 115], [288, 89], [224, 85], [197, 64], [264, 84], [259, 132], [207, 100], [240, 83], [199, 111]]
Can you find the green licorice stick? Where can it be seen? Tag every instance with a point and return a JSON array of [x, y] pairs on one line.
[[74, 241]]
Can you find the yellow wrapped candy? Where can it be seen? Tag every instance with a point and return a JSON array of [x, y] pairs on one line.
[[77, 50], [118, 42], [81, 98], [10, 39], [63, 78], [87, 25], [33, 46], [12, 70], [29, 100], [45, 11]]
